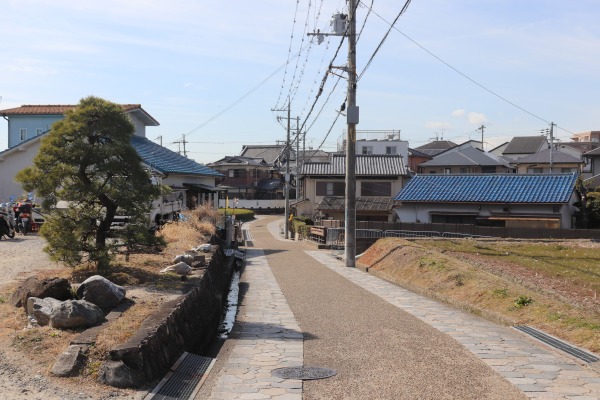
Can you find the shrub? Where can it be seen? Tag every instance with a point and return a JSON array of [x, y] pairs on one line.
[[241, 214], [301, 225]]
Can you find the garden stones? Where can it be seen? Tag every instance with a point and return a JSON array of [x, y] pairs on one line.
[[72, 314], [101, 292]]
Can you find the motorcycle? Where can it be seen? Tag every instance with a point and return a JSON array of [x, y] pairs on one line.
[[24, 218], [7, 227]]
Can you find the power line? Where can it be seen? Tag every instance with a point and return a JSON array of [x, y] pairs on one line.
[[289, 53], [466, 76], [404, 8]]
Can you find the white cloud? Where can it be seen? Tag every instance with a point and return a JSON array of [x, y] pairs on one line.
[[438, 125], [477, 118], [458, 113]]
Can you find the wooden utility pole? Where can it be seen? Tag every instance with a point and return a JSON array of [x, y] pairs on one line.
[[551, 144], [352, 120]]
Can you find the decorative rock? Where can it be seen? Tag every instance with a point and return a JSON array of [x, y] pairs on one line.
[[101, 292], [70, 361], [206, 247], [41, 309], [180, 268], [183, 258], [117, 374], [57, 288], [75, 314]]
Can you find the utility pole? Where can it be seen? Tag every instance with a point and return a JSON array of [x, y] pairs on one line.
[[184, 142], [346, 26], [297, 158], [481, 128], [352, 120], [551, 143], [287, 176], [287, 170]]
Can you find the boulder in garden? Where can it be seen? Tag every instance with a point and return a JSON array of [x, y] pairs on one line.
[[41, 309], [72, 314], [101, 292], [57, 288]]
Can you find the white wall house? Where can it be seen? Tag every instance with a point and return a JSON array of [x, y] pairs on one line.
[[194, 181]]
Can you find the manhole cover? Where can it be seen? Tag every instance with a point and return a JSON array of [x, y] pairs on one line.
[[304, 373]]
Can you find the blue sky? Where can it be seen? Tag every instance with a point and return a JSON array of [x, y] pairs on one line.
[[187, 61]]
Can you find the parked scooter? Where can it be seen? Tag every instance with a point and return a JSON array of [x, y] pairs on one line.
[[7, 227], [24, 217]]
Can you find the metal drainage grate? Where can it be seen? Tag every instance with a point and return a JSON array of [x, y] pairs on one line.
[[558, 344], [303, 373], [184, 379]]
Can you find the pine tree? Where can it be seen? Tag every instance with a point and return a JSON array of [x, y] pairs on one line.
[[87, 163]]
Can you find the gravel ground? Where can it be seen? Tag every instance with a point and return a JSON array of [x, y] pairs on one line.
[[20, 258]]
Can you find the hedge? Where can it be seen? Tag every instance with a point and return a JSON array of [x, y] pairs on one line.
[[301, 225], [241, 214]]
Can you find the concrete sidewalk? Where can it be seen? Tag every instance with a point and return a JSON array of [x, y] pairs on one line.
[[304, 307]]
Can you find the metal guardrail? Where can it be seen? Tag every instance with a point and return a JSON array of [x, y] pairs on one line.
[[335, 236]]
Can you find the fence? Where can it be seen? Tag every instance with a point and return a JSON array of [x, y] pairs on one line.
[[404, 229]]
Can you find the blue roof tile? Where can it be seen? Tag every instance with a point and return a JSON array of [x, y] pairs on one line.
[[489, 188], [168, 161]]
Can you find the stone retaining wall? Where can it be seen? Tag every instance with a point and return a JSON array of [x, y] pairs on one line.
[[188, 323]]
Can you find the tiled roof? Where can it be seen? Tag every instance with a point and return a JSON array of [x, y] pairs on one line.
[[363, 203], [489, 188], [467, 156], [30, 109], [595, 152], [270, 153], [417, 153], [525, 144], [437, 145], [168, 161], [239, 160], [366, 165], [543, 156]]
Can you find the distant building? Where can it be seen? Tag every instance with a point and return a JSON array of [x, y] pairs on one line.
[[465, 160], [563, 161], [521, 146], [435, 147], [591, 136], [505, 200]]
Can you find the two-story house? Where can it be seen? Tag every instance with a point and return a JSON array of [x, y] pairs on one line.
[[190, 181], [378, 178], [248, 178], [467, 158]]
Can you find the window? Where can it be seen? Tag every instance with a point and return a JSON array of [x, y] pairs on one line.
[[237, 173], [376, 189], [23, 134], [488, 169], [367, 150], [331, 188], [390, 150], [568, 170], [535, 170], [447, 171], [463, 170], [38, 131], [432, 172]]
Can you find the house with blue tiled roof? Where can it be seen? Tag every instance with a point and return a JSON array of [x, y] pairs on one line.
[[192, 183], [506, 200]]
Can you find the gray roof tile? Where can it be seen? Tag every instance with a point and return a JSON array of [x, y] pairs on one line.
[[366, 165]]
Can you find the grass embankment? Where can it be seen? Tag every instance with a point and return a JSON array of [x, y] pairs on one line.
[[45, 344], [552, 287]]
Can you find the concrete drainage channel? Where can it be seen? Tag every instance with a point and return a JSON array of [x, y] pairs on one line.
[[558, 344], [186, 376], [184, 379]]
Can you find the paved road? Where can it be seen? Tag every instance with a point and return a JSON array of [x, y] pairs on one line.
[[302, 307]]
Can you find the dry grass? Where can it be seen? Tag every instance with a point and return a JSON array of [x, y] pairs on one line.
[[44, 344], [418, 266]]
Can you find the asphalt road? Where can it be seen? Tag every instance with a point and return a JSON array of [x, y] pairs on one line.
[[378, 350]]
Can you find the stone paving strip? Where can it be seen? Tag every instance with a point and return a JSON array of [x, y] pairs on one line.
[[270, 339], [535, 370]]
